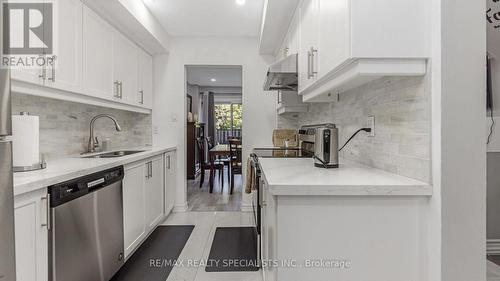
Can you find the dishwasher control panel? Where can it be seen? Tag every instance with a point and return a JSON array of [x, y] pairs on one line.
[[72, 189]]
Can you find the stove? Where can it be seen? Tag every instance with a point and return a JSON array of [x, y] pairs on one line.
[[282, 153]]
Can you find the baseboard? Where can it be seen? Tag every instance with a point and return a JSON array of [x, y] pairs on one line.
[[246, 208], [180, 208], [493, 246]]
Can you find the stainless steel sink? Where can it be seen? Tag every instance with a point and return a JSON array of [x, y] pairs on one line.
[[115, 154]]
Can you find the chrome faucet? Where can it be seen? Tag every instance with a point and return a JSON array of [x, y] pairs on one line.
[[93, 141]]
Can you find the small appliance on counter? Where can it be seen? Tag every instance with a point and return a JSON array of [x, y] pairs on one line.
[[26, 143], [323, 139]]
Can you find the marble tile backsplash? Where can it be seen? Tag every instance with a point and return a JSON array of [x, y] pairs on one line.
[[401, 107], [64, 126]]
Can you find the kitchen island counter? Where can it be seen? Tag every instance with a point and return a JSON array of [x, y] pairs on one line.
[[299, 176], [368, 218]]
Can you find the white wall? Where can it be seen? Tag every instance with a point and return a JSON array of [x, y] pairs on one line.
[[259, 107], [458, 213]]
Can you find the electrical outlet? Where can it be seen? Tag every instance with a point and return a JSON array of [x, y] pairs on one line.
[[155, 130], [370, 123]]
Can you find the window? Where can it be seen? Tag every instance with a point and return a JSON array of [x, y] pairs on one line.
[[228, 121]]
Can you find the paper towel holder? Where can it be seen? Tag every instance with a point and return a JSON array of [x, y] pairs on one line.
[[34, 167]]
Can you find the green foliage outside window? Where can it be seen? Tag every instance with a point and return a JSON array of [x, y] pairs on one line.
[[223, 116]]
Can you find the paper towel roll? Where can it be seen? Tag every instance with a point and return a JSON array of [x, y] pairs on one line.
[[25, 140]]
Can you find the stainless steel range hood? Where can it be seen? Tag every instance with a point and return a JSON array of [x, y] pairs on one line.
[[282, 75]]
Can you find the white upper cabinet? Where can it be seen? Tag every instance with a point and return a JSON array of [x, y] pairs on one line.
[[145, 78], [94, 63], [34, 74], [334, 37], [346, 43], [308, 42], [293, 36], [290, 102], [97, 56], [125, 68], [30, 75], [66, 72]]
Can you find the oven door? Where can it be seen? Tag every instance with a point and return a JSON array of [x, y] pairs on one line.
[[257, 207]]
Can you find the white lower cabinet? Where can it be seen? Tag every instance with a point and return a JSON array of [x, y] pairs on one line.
[[134, 183], [147, 198], [31, 230], [268, 233], [155, 192], [170, 181]]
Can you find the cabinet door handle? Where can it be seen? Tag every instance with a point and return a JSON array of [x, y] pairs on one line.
[[168, 162], [141, 100], [121, 89], [308, 65], [53, 78], [313, 67], [147, 170], [47, 211], [43, 73], [150, 169], [117, 89]]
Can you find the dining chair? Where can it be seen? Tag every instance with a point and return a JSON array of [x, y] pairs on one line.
[[223, 159], [204, 165], [210, 142], [236, 160]]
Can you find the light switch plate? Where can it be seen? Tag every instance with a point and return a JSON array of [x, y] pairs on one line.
[[173, 117], [370, 123]]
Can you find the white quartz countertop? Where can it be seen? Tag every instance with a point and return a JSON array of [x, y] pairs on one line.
[[298, 176], [64, 169]]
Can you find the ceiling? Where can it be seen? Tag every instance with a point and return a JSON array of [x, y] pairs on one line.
[[221, 18], [225, 76]]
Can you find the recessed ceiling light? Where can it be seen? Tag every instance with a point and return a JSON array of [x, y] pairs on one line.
[[240, 2], [213, 80]]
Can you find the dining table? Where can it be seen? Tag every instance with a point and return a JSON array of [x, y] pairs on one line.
[[216, 151]]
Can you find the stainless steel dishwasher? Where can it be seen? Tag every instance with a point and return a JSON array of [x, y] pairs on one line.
[[86, 227]]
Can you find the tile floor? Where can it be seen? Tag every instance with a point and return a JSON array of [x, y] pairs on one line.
[[198, 246], [200, 200]]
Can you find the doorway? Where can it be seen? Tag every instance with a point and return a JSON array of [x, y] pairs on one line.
[[215, 119]]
